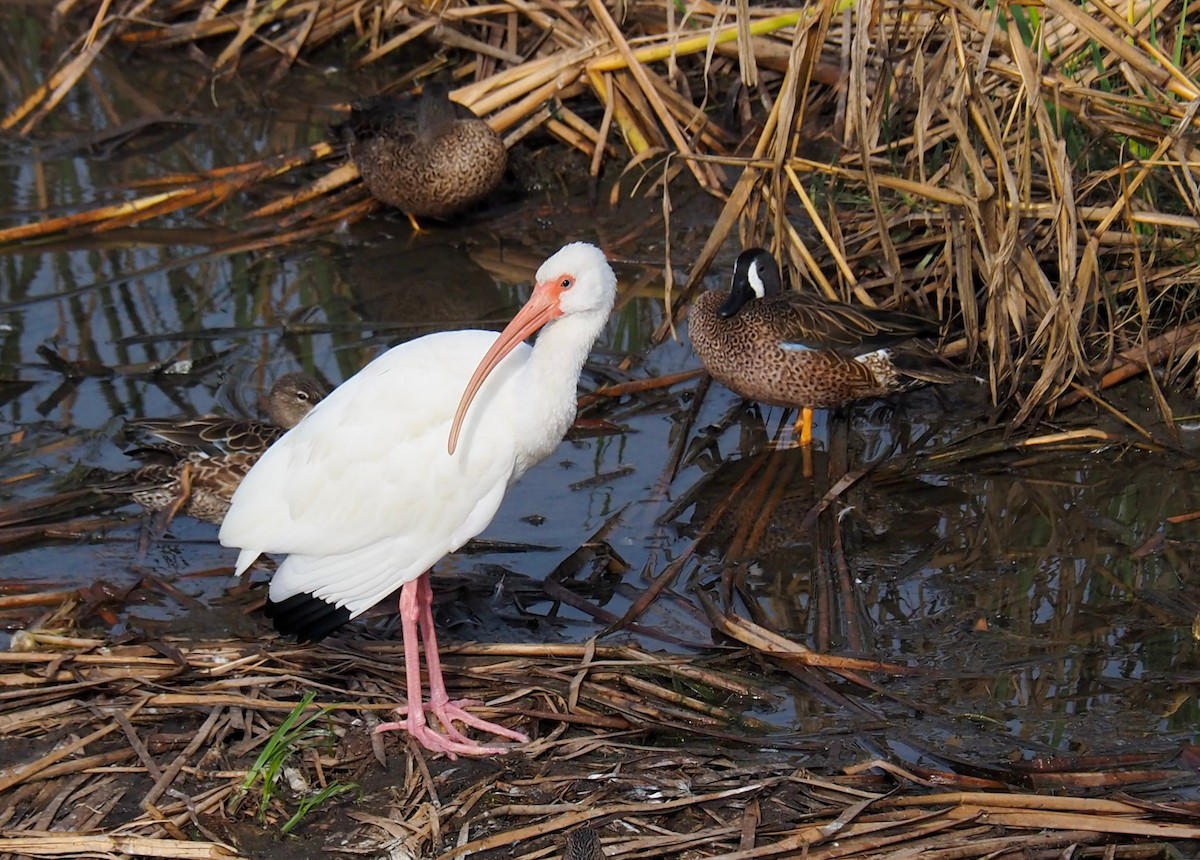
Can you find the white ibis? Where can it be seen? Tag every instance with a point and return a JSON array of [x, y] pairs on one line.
[[405, 462]]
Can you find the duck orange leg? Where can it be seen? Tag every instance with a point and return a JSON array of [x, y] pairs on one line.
[[804, 428]]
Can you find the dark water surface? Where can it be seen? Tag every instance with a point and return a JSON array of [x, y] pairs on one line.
[[1046, 595]]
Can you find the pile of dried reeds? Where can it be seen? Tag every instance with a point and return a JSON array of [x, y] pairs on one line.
[[1028, 170], [171, 749]]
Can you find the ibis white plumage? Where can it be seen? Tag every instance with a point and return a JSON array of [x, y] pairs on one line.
[[406, 461]]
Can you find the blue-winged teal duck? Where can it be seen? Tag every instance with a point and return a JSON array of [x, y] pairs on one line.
[[791, 349], [195, 464], [432, 165]]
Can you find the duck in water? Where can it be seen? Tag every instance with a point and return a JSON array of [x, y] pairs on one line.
[[432, 165], [194, 465], [792, 349]]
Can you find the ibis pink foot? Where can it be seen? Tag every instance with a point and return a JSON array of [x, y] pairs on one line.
[[416, 615]]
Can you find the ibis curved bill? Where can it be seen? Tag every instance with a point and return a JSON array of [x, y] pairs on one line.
[[542, 307], [409, 459]]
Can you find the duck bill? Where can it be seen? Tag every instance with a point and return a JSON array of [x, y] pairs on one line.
[[541, 308], [733, 304]]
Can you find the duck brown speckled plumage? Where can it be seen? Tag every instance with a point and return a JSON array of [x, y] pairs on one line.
[[194, 465], [583, 844], [790, 349], [432, 165]]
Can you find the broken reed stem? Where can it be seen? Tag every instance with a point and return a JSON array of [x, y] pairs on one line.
[[685, 45]]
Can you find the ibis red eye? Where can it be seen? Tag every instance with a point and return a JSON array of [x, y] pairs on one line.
[[566, 283]]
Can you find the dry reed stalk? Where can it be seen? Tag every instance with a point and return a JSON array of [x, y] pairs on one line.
[[45, 98], [76, 845], [40, 598], [706, 180], [336, 178], [18, 775], [666, 800], [403, 38], [573, 819], [685, 45], [772, 644]]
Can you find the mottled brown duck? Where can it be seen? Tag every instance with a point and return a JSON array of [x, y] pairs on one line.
[[194, 465], [792, 349], [583, 844], [432, 165]]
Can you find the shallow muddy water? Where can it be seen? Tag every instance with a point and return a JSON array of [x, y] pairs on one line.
[[1046, 601]]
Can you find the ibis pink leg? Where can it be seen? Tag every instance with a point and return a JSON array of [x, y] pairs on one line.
[[416, 616], [439, 700]]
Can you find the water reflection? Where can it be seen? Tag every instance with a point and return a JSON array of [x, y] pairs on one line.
[[1036, 595], [428, 284]]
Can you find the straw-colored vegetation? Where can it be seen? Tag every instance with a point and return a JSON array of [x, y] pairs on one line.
[[1027, 170], [165, 737]]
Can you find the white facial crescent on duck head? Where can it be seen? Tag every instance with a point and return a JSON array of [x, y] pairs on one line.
[[756, 281]]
